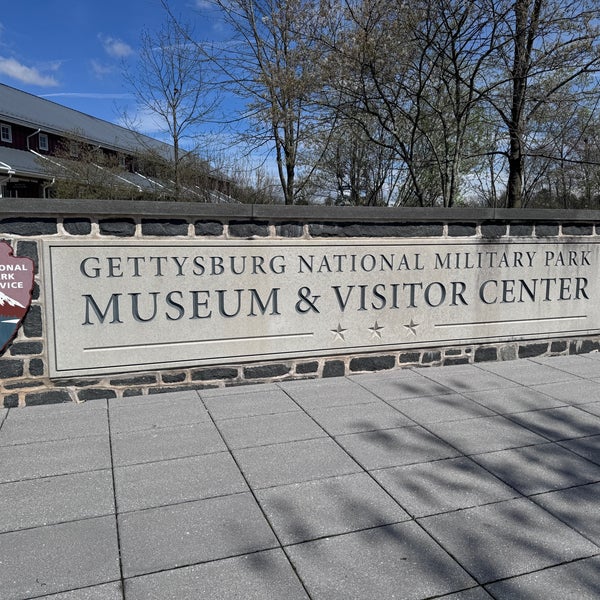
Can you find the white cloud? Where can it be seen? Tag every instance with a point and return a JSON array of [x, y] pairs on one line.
[[89, 95], [100, 70], [115, 47], [30, 75]]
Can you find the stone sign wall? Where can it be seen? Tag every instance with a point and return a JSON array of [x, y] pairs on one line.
[[135, 298], [124, 307]]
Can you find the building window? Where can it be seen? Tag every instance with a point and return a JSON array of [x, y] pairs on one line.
[[43, 142], [6, 133]]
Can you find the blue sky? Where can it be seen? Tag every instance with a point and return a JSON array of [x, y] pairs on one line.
[[72, 51]]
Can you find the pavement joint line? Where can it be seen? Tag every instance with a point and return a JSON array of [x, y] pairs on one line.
[[115, 504], [53, 475], [170, 459], [563, 489], [77, 589], [446, 595], [266, 414], [179, 503], [540, 570], [149, 462], [208, 561], [65, 439], [65, 522], [259, 505]]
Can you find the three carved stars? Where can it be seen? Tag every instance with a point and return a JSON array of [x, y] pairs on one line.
[[339, 333]]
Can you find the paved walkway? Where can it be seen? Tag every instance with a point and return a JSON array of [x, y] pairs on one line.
[[465, 482]]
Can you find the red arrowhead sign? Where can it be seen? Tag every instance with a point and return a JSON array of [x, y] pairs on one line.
[[16, 285]]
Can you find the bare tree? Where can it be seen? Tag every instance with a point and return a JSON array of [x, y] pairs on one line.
[[547, 50], [171, 84], [268, 64]]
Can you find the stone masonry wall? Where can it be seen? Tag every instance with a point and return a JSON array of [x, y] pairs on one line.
[[24, 224]]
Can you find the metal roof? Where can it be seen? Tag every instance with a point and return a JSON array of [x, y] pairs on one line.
[[22, 108], [21, 163]]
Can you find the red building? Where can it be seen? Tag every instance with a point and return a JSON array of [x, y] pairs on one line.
[[35, 137]]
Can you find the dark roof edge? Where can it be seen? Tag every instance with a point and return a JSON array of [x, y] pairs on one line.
[[280, 213]]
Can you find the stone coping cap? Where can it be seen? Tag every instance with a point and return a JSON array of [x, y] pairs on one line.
[[10, 207]]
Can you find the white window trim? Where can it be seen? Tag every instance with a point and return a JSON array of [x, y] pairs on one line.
[[6, 129], [43, 145]]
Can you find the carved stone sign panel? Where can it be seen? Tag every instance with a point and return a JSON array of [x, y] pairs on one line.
[[122, 307]]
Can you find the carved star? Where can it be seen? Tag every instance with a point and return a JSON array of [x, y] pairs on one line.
[[376, 330], [338, 332], [412, 327]]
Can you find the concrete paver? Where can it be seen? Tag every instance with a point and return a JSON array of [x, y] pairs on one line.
[[49, 500], [326, 507], [468, 483], [507, 539], [395, 560], [150, 445]]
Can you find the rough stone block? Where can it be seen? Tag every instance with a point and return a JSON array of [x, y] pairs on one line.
[[214, 373], [248, 229], [10, 401], [23, 384], [36, 367], [77, 226], [172, 377], [508, 352], [521, 229], [334, 368], [30, 250], [25, 348], [459, 360], [409, 357], [11, 368], [529, 350], [306, 368], [290, 230], [32, 323], [373, 363], [266, 371], [431, 357], [164, 227], [96, 394], [76, 382], [493, 230], [584, 346], [376, 229], [485, 354], [208, 228], [546, 229], [29, 226], [138, 380], [453, 352], [578, 229], [117, 227], [48, 397], [462, 229]]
